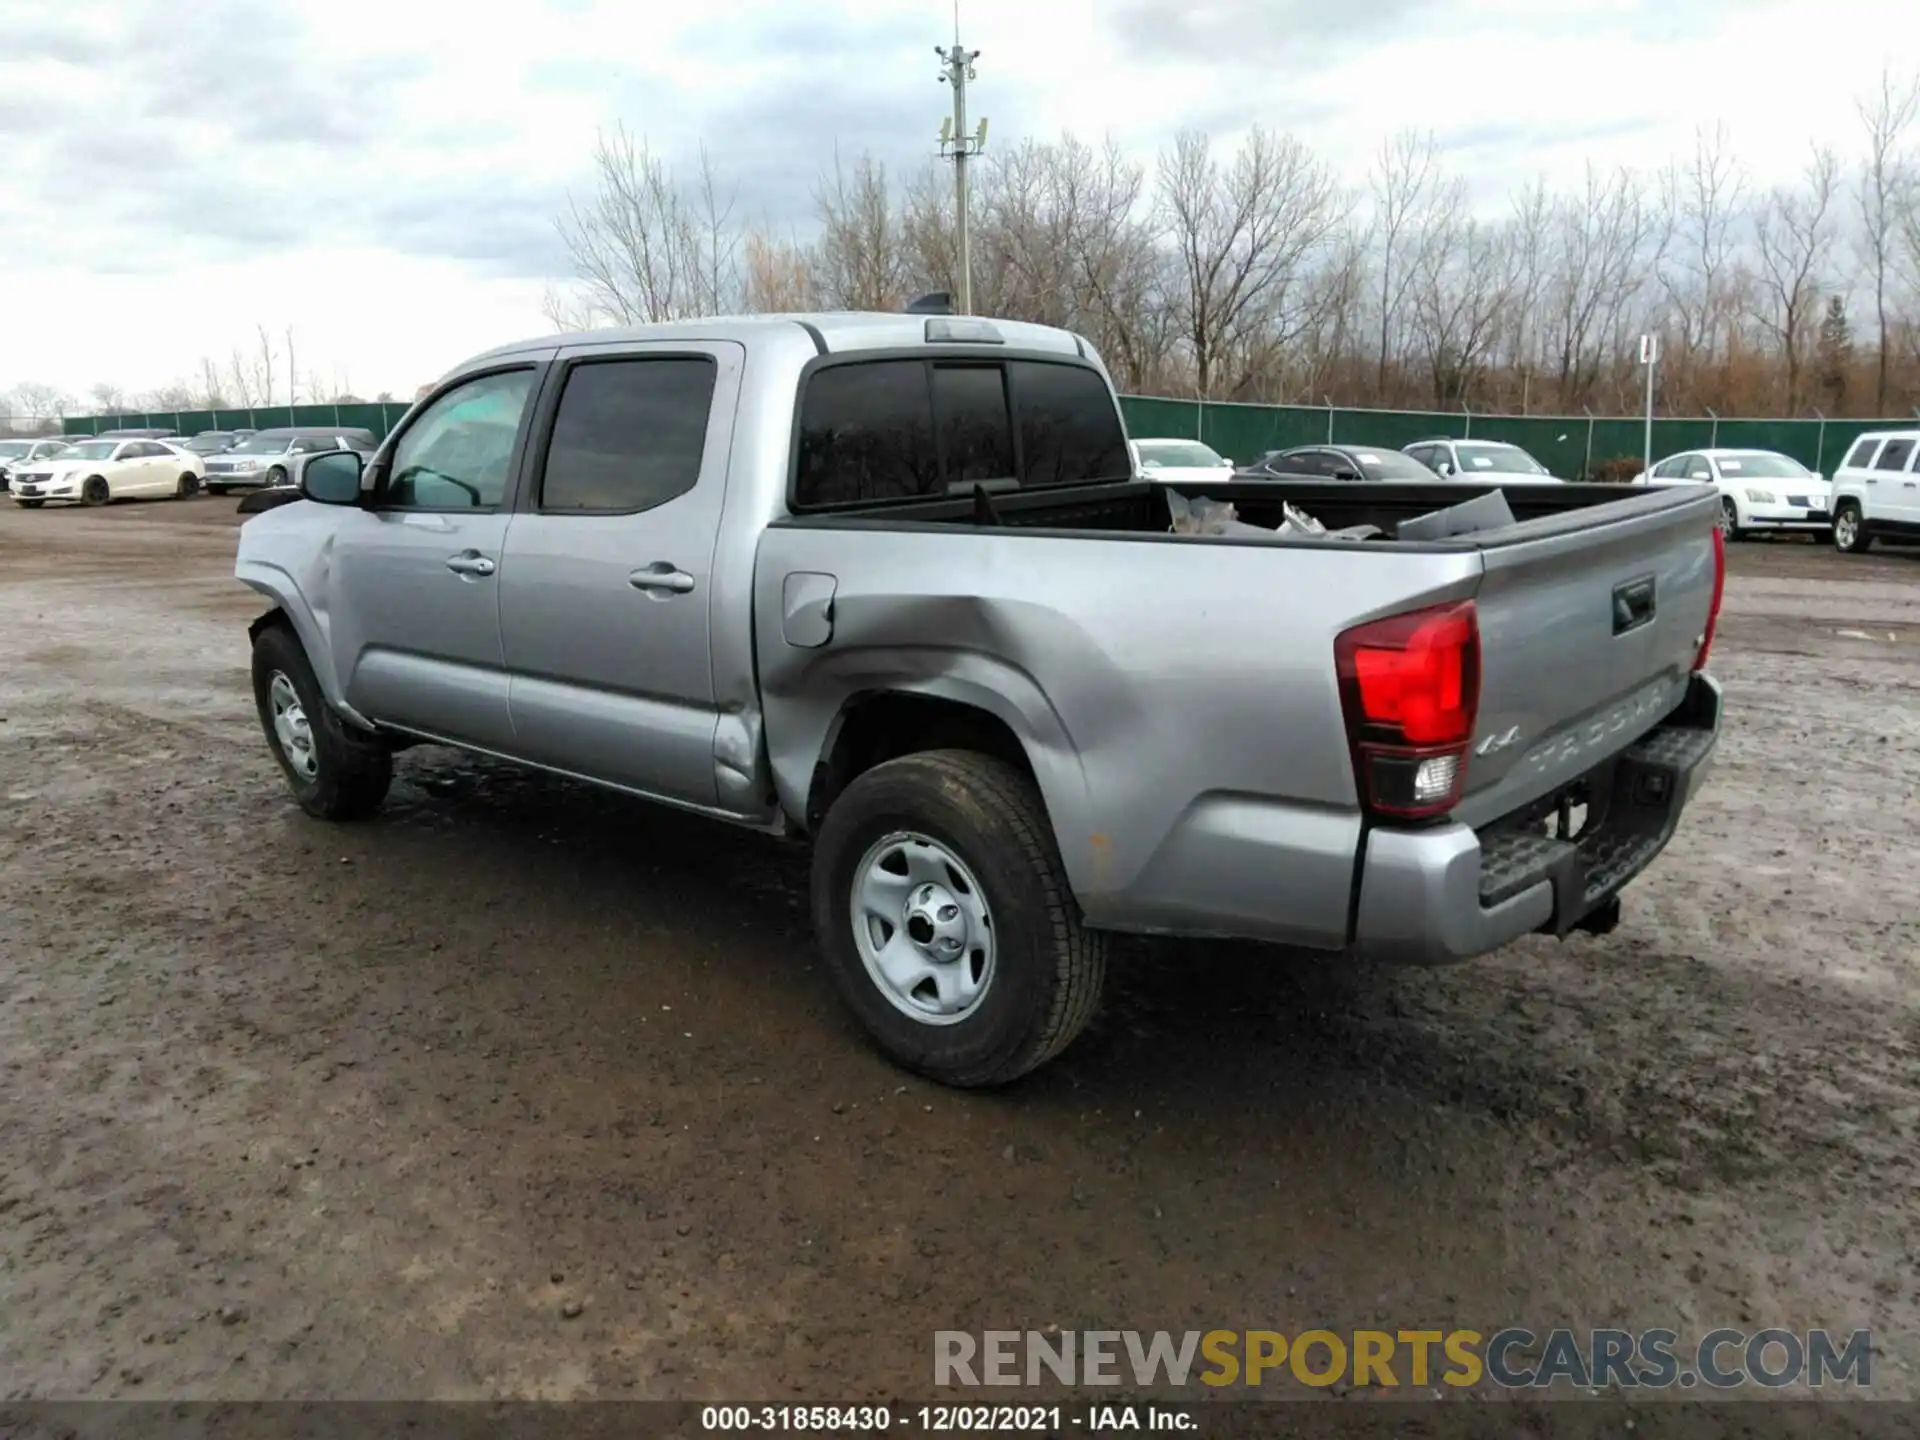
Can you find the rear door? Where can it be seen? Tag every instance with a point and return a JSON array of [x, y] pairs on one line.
[[1896, 497], [606, 590], [415, 592], [1589, 627]]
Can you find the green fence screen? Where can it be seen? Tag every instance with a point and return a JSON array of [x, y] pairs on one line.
[[1569, 446]]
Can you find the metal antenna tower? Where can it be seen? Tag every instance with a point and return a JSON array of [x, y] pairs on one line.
[[957, 145]]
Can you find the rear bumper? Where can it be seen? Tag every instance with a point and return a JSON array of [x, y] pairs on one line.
[[1452, 892]]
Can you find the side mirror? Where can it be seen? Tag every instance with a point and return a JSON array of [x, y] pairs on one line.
[[333, 478], [1444, 467]]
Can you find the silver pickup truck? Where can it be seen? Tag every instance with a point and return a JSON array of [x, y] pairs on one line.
[[890, 583]]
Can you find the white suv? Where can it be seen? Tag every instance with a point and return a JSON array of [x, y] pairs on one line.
[[1876, 490]]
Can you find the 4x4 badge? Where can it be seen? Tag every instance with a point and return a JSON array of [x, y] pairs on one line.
[[1494, 744]]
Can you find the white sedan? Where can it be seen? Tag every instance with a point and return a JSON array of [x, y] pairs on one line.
[[94, 472], [1186, 461], [1759, 489]]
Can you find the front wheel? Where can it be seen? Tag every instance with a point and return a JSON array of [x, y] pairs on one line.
[[95, 491], [1730, 519], [189, 486], [334, 771], [943, 910], [1849, 530], [276, 476]]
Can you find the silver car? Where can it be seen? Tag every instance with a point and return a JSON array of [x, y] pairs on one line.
[[278, 457]]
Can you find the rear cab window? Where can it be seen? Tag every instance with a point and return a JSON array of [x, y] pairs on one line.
[[1862, 454], [873, 431], [629, 434], [1894, 455]]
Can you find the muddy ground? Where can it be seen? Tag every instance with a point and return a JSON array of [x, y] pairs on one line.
[[522, 1090]]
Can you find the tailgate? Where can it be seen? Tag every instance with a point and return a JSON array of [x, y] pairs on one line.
[[1589, 624]]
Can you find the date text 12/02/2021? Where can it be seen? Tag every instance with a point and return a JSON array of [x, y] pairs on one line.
[[947, 1419]]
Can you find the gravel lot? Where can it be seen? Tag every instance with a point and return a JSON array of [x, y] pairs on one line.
[[522, 1090]]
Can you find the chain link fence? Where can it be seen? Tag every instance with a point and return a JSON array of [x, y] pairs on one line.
[[1573, 446]]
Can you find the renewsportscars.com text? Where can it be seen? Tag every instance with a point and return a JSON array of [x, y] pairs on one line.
[[1512, 1358]]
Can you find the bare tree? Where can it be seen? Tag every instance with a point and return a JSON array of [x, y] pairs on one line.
[[861, 260], [1884, 179], [779, 275], [719, 241], [1793, 235], [108, 398], [1599, 238], [240, 380], [212, 393], [33, 400], [263, 366], [1529, 253], [1242, 236], [567, 310], [636, 245], [176, 396], [1461, 282], [1701, 207], [1405, 182]]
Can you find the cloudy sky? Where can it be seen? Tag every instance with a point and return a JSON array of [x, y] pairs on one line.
[[382, 175]]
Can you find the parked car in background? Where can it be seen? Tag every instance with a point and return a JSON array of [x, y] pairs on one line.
[[277, 457], [20, 454], [741, 566], [1471, 459], [1182, 460], [133, 435], [1759, 489], [94, 472], [1335, 462], [1876, 491], [214, 442]]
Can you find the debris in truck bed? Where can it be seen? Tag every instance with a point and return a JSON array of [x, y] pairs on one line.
[[1201, 516], [1485, 512]]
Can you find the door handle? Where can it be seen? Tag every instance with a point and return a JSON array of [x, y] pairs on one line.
[[470, 563], [661, 576]]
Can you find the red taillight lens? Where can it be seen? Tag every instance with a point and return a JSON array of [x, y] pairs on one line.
[[1719, 589], [1410, 689]]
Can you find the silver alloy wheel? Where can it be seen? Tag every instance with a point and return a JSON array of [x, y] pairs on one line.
[[290, 726], [923, 929], [1729, 517], [1846, 529]]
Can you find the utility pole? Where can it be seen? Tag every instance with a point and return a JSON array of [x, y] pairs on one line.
[[960, 147]]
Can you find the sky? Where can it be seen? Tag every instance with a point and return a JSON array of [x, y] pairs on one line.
[[381, 177]]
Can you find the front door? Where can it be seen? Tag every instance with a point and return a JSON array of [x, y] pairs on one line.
[[416, 588], [606, 590]]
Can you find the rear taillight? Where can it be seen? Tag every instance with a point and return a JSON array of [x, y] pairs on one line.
[[1719, 589], [1410, 688]]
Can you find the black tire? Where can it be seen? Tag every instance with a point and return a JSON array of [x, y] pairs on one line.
[[276, 476], [1730, 519], [31, 504], [351, 771], [95, 491], [1850, 535], [188, 487], [1047, 970]]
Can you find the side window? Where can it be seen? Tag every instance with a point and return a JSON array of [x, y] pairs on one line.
[[976, 433], [306, 445], [866, 433], [629, 434], [1421, 455], [1667, 469], [1069, 425], [1894, 455], [1862, 454], [455, 455], [1321, 463]]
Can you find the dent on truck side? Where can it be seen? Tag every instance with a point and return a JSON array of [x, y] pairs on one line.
[[286, 555]]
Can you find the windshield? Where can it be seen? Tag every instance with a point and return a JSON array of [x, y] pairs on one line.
[[1502, 459], [263, 445], [14, 449], [1765, 466], [91, 450], [1390, 465], [1189, 454]]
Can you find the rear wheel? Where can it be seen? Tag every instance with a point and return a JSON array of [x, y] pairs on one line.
[[335, 771], [945, 916], [188, 487], [1849, 530], [95, 491]]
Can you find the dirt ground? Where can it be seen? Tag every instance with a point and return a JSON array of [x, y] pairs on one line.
[[521, 1090]]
